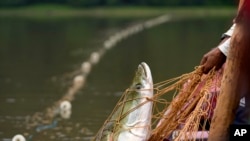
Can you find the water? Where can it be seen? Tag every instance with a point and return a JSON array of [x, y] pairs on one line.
[[39, 59]]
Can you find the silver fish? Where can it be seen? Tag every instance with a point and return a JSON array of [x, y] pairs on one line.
[[131, 118]]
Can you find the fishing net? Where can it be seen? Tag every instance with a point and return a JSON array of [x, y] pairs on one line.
[[188, 115], [182, 108]]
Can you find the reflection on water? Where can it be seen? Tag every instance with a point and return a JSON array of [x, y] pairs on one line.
[[39, 59]]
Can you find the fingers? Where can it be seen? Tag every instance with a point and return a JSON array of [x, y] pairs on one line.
[[205, 69], [203, 63], [206, 64], [214, 58]]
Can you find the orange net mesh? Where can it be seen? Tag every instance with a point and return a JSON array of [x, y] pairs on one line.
[[189, 113]]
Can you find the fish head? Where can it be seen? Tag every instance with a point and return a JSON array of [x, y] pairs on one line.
[[143, 78]]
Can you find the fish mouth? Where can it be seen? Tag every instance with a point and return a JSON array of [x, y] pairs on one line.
[[146, 70]]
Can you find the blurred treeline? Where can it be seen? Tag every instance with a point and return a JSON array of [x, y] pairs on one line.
[[88, 3]]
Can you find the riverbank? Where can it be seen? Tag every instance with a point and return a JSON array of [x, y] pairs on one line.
[[59, 11]]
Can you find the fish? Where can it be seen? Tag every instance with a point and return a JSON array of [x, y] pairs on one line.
[[131, 117]]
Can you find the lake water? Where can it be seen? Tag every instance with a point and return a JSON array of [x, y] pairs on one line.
[[39, 58]]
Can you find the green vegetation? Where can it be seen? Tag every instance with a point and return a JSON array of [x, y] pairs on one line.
[[88, 3], [54, 11]]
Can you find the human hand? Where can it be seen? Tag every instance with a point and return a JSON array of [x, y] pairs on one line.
[[214, 58]]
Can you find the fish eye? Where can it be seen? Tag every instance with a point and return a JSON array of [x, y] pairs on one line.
[[138, 86]]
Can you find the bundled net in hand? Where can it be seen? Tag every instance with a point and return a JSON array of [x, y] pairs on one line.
[[191, 107]]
